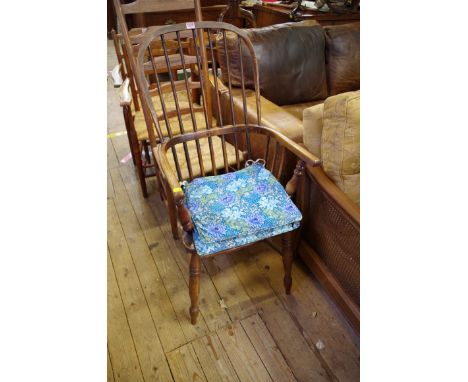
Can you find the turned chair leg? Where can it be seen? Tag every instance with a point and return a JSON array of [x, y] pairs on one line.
[[194, 286], [288, 256]]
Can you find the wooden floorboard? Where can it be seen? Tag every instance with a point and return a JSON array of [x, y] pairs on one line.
[[313, 315], [148, 346], [214, 359], [122, 352], [248, 329], [267, 350], [162, 311]]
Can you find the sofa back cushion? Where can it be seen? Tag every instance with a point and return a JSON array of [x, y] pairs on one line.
[[340, 142], [291, 61], [342, 55]]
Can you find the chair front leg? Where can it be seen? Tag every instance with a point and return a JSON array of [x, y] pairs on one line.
[[194, 286], [288, 256]]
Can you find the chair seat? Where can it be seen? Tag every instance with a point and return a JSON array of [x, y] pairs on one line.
[[238, 208], [206, 156], [142, 131], [140, 124]]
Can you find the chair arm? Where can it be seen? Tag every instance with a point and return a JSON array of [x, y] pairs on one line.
[[292, 146], [116, 76], [125, 94]]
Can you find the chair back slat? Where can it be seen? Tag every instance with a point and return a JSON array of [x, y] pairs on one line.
[[190, 101], [198, 41], [244, 97], [177, 106]]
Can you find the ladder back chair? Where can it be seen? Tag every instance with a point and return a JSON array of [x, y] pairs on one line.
[[225, 198], [133, 116], [155, 64]]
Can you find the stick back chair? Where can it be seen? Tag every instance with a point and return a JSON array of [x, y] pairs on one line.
[[133, 116], [167, 111], [242, 201]]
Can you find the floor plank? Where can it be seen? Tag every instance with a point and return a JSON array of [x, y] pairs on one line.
[[162, 311], [267, 349], [162, 252], [242, 354], [110, 186], [184, 365], [214, 360], [212, 315], [112, 161], [147, 344], [120, 342], [305, 364], [230, 289], [313, 315], [110, 372]]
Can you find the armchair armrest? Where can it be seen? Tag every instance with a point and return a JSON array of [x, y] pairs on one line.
[[116, 76], [125, 94]]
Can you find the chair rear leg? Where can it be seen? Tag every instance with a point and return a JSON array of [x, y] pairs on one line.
[[141, 171], [194, 286], [288, 256]]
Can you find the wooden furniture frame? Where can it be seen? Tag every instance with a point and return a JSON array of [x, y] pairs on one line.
[[277, 145], [234, 10]]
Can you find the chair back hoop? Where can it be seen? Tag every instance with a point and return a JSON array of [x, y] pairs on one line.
[[163, 113]]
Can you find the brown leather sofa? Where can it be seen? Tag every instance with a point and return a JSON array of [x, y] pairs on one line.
[[300, 65]]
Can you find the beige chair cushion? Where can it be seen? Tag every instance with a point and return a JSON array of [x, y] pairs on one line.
[[313, 124], [340, 142]]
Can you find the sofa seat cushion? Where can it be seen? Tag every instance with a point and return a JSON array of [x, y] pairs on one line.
[[343, 58], [291, 61], [238, 208], [340, 147], [297, 109]]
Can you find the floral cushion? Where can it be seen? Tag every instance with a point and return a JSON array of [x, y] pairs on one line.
[[238, 208]]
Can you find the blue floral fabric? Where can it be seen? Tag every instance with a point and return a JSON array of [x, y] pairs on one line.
[[238, 208]]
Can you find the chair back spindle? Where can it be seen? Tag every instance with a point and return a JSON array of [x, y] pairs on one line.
[[202, 74]]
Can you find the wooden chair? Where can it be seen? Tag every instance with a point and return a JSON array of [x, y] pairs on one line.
[[133, 116], [156, 64], [243, 191]]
